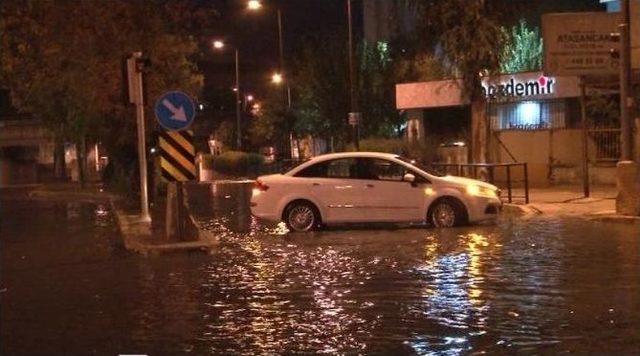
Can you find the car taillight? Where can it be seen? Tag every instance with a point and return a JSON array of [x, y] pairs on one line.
[[261, 186]]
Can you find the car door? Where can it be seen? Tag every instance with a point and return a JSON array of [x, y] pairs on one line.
[[389, 197], [332, 183]]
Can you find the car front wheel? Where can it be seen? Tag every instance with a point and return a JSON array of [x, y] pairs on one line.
[[301, 216], [447, 213]]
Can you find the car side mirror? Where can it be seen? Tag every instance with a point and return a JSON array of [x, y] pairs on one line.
[[410, 178]]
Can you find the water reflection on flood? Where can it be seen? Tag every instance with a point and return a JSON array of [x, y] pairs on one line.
[[408, 290], [541, 286]]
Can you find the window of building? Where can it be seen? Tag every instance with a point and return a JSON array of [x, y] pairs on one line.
[[531, 115]]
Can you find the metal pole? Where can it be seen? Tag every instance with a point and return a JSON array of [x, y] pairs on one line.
[[238, 128], [526, 184], [285, 77], [585, 145], [625, 73], [352, 89], [142, 151]]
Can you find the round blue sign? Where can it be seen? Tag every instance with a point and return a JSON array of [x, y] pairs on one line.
[[175, 110]]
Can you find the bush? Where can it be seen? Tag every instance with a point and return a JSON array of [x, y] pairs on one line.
[[421, 151], [238, 163]]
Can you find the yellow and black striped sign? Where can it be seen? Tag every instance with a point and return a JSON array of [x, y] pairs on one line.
[[177, 155]]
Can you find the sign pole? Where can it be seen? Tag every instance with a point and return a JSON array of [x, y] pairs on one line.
[[625, 74], [135, 65], [142, 156], [585, 144]]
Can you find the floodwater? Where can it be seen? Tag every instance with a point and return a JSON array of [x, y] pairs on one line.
[[538, 286]]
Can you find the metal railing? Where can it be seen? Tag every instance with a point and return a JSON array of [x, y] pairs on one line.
[[488, 172]]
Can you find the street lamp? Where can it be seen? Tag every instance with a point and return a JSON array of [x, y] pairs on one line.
[[354, 115], [276, 78], [219, 45], [254, 4]]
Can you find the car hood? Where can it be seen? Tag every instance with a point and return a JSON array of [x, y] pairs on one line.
[[461, 181]]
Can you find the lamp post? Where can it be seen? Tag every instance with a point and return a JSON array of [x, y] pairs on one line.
[[219, 45], [280, 76], [354, 115]]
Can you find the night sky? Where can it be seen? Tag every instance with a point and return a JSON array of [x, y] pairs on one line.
[[255, 33]]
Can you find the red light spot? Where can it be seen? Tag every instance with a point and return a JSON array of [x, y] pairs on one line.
[[542, 80]]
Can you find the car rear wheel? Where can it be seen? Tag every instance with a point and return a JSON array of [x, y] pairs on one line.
[[301, 216], [446, 213]]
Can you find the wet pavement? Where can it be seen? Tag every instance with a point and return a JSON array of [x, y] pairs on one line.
[[543, 285]]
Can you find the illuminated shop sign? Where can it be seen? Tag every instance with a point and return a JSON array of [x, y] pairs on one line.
[[519, 88]]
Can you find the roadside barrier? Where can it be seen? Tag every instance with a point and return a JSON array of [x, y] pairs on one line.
[[503, 175]]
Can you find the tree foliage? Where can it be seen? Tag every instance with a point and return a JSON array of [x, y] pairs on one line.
[[522, 51], [467, 36], [63, 62]]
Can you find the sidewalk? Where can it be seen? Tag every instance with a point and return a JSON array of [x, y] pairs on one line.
[[144, 237], [570, 201]]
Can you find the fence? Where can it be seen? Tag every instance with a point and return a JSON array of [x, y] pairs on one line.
[[489, 172]]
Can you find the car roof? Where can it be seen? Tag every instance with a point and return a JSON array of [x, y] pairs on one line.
[[354, 154], [331, 156]]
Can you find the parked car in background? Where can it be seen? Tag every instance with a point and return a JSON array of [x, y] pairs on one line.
[[359, 187]]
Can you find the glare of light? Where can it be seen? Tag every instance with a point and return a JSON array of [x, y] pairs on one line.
[[529, 113], [153, 150], [276, 78], [201, 106], [217, 44], [255, 192], [429, 191], [256, 106], [473, 189], [249, 97], [234, 89], [254, 5], [459, 143]]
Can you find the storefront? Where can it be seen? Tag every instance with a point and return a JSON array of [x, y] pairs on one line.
[[528, 117]]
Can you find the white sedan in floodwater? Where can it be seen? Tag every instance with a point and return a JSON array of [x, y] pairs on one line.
[[360, 187]]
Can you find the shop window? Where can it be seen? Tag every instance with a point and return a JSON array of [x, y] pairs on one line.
[[528, 115]]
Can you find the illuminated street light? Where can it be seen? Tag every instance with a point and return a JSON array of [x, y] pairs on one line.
[[249, 97], [217, 44], [276, 78], [254, 5]]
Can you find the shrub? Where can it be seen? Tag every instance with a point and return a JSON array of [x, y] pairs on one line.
[[238, 163], [422, 151]]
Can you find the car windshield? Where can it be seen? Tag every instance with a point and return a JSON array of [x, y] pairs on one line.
[[420, 166]]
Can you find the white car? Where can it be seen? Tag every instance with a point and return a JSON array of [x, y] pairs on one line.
[[358, 187]]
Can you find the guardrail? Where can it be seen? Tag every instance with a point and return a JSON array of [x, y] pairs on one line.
[[487, 172]]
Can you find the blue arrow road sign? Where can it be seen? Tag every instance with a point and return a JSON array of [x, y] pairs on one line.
[[175, 110]]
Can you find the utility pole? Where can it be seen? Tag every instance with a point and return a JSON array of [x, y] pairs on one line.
[[238, 114], [354, 115], [135, 66], [625, 87]]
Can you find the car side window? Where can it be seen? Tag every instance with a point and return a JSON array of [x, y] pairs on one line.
[[381, 169], [318, 170], [342, 168], [337, 168]]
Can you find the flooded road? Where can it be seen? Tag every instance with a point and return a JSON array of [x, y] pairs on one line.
[[542, 285]]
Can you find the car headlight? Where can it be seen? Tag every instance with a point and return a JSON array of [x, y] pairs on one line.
[[474, 189]]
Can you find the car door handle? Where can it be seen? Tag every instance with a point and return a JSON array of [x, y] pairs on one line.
[[315, 184], [370, 185]]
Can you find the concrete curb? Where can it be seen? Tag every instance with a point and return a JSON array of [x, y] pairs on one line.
[[520, 211], [134, 231]]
